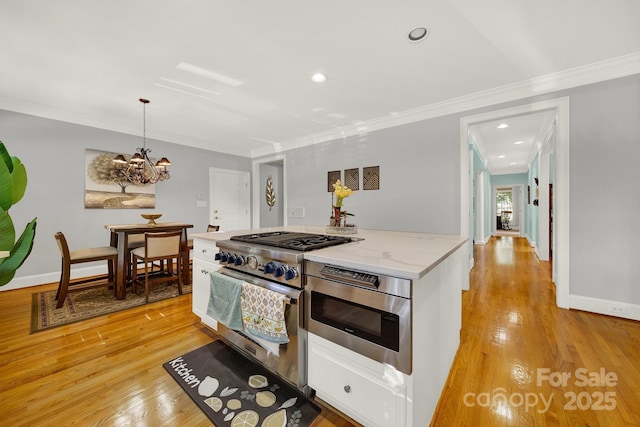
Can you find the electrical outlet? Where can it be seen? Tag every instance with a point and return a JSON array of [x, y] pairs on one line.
[[618, 309], [296, 212]]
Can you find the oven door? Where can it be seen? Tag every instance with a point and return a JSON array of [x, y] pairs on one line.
[[371, 323], [290, 362]]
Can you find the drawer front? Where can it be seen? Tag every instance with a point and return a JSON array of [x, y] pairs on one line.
[[202, 289], [359, 394], [204, 249]]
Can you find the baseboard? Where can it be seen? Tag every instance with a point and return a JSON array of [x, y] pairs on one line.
[[607, 307], [54, 277]]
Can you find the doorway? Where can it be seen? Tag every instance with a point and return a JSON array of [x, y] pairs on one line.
[[230, 199], [272, 214], [560, 243]]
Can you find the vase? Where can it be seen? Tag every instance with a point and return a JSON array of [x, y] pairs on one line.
[[337, 215]]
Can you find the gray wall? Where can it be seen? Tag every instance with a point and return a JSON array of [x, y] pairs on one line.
[[419, 177], [605, 199], [54, 155], [419, 168]]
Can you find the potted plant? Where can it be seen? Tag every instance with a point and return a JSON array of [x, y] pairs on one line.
[[13, 183]]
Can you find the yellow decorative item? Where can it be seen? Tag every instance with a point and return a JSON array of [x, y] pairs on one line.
[[341, 192], [270, 193], [151, 217]]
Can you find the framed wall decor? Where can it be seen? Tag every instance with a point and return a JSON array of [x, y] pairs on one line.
[[352, 178], [106, 188], [371, 178], [332, 177]]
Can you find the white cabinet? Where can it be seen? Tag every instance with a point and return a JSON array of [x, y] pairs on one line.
[[369, 392], [203, 264]]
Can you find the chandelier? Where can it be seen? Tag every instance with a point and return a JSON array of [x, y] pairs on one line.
[[141, 170]]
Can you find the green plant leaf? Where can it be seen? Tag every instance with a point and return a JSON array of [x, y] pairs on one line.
[[7, 231], [18, 180], [5, 157], [6, 183], [19, 253]]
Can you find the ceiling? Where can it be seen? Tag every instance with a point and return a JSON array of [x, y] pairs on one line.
[[235, 77]]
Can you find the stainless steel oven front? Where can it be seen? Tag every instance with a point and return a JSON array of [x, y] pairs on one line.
[[290, 362], [364, 312]]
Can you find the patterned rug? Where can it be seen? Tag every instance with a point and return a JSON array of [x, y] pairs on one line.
[[233, 391], [85, 304]]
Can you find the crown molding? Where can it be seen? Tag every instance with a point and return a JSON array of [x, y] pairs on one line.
[[587, 74]]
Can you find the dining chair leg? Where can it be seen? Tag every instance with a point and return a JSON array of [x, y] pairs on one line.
[[63, 286], [179, 272], [146, 282]]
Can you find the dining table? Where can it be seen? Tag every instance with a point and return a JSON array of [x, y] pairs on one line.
[[119, 238]]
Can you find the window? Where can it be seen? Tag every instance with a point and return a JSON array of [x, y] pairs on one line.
[[504, 200]]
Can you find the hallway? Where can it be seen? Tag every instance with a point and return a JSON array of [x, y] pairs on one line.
[[524, 362]]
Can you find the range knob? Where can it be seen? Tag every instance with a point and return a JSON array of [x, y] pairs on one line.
[[224, 257], [231, 259], [239, 260], [217, 256], [279, 271], [252, 262], [291, 274], [269, 268]]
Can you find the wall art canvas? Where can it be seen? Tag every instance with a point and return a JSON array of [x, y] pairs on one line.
[[371, 178], [352, 178], [332, 177], [106, 187]]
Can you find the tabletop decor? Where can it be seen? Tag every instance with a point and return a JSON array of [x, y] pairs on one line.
[[338, 223], [151, 217]]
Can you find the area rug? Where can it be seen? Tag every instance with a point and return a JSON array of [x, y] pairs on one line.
[[234, 391], [89, 303]]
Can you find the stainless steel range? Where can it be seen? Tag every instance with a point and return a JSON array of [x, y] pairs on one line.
[[275, 261]]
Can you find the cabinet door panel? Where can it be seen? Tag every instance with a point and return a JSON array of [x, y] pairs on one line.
[[362, 395]]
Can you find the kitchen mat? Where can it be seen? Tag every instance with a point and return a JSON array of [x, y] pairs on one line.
[[234, 391]]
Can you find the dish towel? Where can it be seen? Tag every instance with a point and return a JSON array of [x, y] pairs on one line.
[[225, 300], [263, 313]]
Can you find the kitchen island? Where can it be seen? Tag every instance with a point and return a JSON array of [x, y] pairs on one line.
[[375, 393]]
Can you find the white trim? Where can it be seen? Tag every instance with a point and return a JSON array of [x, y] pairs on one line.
[[603, 306], [561, 184], [255, 184], [592, 73], [54, 277]]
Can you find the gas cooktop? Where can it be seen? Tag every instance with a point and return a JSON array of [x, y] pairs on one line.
[[292, 240]]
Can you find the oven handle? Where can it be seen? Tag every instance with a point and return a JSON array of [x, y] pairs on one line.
[[292, 294]]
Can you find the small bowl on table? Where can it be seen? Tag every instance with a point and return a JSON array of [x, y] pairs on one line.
[[151, 217]]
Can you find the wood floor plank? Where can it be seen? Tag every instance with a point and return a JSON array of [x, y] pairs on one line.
[[108, 371]]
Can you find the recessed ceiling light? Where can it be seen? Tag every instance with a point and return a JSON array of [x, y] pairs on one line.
[[417, 34], [319, 78], [513, 163], [503, 126], [501, 156], [519, 142]]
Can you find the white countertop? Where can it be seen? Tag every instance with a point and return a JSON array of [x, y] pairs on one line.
[[394, 253]]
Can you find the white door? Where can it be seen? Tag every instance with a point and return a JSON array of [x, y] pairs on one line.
[[230, 199]]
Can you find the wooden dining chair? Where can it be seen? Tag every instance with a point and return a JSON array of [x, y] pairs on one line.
[[158, 247], [101, 253]]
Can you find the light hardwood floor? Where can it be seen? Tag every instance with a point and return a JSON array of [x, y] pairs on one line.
[[516, 346], [108, 371]]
